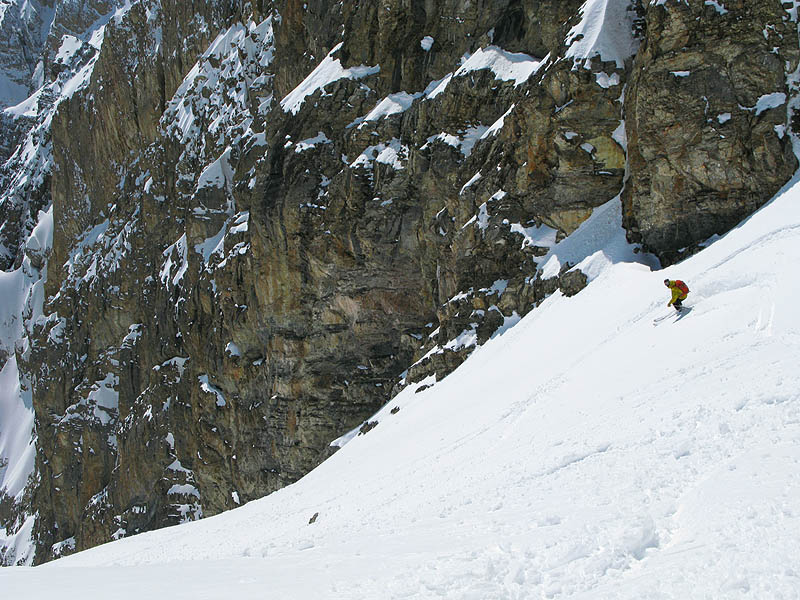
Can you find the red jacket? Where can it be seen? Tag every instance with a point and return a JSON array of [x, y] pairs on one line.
[[679, 290]]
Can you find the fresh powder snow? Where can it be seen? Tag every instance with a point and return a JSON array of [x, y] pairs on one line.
[[583, 453]]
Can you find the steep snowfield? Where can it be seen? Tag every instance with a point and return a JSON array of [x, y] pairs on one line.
[[584, 453]]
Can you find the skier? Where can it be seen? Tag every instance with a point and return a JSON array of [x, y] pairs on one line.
[[679, 292]]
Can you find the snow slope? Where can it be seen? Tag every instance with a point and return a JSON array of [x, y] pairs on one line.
[[584, 453], [605, 30]]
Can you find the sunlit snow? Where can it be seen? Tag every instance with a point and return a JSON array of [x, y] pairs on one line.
[[605, 30], [328, 71]]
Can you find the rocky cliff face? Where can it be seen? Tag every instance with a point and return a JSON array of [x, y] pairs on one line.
[[24, 29], [707, 120], [259, 219]]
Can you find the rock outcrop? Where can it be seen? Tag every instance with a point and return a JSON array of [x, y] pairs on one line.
[[268, 217], [706, 118]]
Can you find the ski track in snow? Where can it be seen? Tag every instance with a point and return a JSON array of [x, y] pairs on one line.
[[583, 453]]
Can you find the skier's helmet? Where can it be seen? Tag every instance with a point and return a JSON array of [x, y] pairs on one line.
[[666, 282]]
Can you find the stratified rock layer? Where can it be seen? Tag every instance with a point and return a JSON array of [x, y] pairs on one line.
[[706, 118]]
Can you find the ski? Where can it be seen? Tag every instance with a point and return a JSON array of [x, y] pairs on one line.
[[658, 320], [681, 312], [674, 313]]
